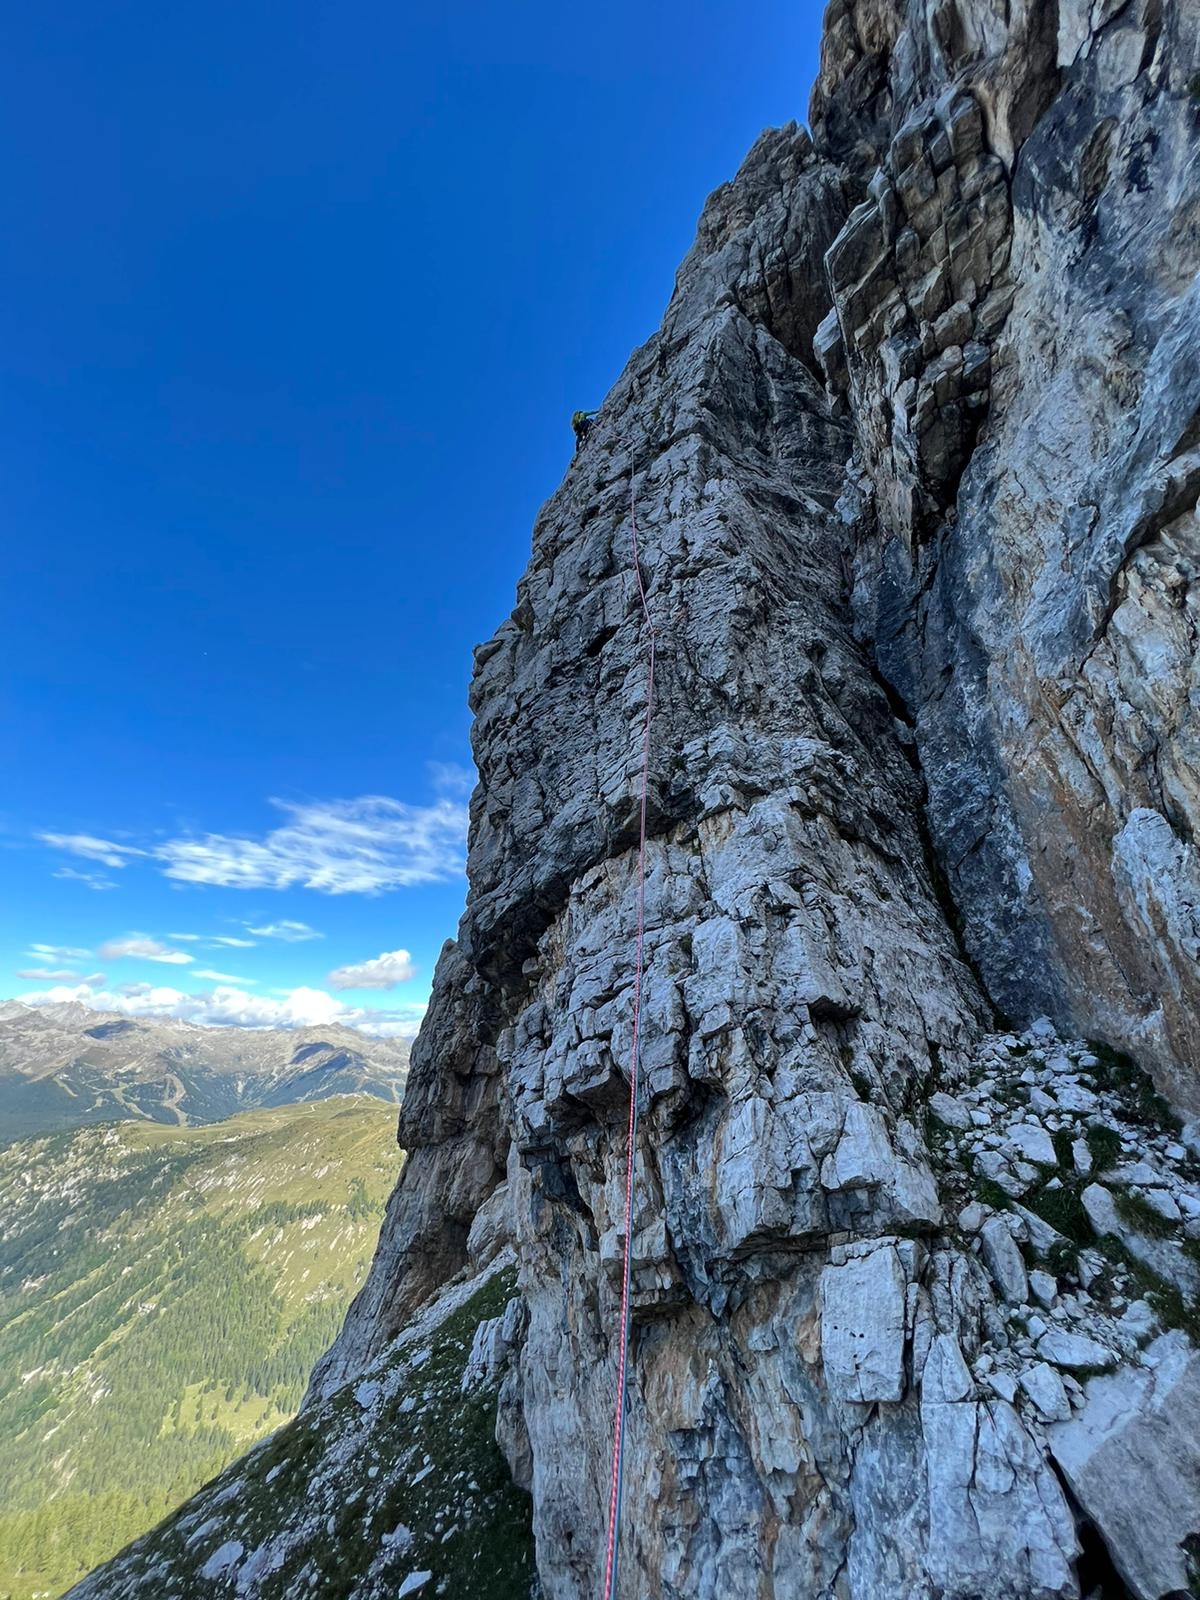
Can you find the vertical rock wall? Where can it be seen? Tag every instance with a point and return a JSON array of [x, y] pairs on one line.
[[914, 461], [1014, 333]]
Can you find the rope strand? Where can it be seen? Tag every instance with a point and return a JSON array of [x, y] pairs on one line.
[[618, 1458]]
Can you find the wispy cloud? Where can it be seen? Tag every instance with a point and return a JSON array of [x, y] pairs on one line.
[[290, 932], [449, 778], [221, 977], [335, 847], [87, 845], [248, 944], [58, 952], [380, 972], [59, 975], [233, 1007], [94, 880], [141, 947], [360, 846], [186, 938]]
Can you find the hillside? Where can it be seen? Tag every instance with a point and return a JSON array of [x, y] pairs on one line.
[[64, 1066], [395, 1486], [163, 1296]]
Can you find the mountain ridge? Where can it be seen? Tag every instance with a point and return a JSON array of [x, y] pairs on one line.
[[64, 1065]]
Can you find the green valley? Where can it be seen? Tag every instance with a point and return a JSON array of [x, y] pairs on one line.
[[164, 1293]]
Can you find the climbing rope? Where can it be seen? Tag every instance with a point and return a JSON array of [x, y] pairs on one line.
[[618, 1456]]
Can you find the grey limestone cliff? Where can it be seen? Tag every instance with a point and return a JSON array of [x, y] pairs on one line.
[[915, 461]]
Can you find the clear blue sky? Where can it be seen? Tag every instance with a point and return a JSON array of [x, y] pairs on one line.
[[295, 304]]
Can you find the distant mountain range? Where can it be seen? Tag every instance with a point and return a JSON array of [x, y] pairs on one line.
[[65, 1066]]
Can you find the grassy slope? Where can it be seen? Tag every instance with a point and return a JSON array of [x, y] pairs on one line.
[[396, 1476], [163, 1295]]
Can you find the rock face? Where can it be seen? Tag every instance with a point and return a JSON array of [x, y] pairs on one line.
[[914, 458], [1014, 331], [1133, 1458], [915, 471]]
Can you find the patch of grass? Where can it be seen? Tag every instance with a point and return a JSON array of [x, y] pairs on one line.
[[1063, 1210], [1062, 1257], [1141, 1215], [989, 1193], [1062, 1140], [1169, 1306], [1143, 1103], [1104, 1146], [1011, 1094], [339, 1481]]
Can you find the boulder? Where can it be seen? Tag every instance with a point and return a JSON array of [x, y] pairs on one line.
[[1132, 1459]]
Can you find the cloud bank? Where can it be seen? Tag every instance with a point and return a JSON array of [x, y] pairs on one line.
[[335, 847], [90, 848], [290, 932], [228, 1006], [139, 946]]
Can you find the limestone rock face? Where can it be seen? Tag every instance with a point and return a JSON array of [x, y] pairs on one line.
[[913, 461], [1014, 330]]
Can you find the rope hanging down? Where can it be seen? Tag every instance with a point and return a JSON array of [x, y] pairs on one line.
[[618, 1457]]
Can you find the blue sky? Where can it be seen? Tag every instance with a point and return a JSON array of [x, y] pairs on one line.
[[295, 304]]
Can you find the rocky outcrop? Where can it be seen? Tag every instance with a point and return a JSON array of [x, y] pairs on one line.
[[921, 747], [911, 458]]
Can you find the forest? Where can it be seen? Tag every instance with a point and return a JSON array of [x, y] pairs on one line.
[[164, 1294]]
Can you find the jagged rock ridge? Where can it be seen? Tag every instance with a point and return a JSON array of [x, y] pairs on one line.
[[914, 459]]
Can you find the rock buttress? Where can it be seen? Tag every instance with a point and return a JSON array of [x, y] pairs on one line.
[[803, 996], [923, 742]]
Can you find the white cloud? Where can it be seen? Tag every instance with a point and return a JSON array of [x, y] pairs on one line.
[[59, 975], [449, 778], [290, 932], [87, 845], [138, 946], [232, 1007], [380, 972], [186, 938], [58, 952], [249, 944], [94, 880], [221, 977], [357, 846]]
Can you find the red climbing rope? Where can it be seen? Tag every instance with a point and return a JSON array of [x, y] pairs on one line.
[[618, 1457]]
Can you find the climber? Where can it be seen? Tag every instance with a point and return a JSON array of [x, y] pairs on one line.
[[582, 421]]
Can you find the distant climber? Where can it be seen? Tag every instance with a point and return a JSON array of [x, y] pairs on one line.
[[582, 421]]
